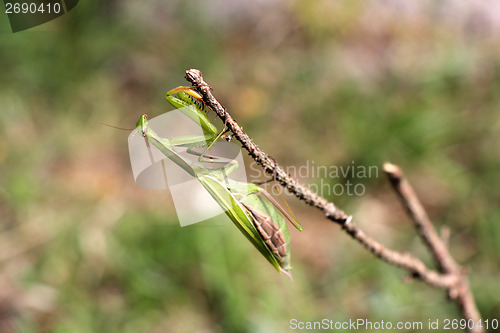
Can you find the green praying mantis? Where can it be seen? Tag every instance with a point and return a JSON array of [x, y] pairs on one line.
[[252, 210]]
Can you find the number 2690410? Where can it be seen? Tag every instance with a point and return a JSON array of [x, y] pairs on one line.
[[32, 8]]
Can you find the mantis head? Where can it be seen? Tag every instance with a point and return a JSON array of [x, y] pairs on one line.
[[142, 124]]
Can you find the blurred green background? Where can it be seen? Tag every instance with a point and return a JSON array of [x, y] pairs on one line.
[[83, 249]]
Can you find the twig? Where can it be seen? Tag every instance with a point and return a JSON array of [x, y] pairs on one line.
[[449, 277], [417, 213], [459, 290]]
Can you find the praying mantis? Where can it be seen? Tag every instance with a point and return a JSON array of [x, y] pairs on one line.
[[252, 210]]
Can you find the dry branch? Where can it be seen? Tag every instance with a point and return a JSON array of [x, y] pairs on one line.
[[449, 276], [458, 289]]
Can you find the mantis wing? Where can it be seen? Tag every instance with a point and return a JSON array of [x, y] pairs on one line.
[[271, 225], [239, 216]]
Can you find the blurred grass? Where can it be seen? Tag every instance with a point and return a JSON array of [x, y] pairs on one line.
[[86, 250]]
